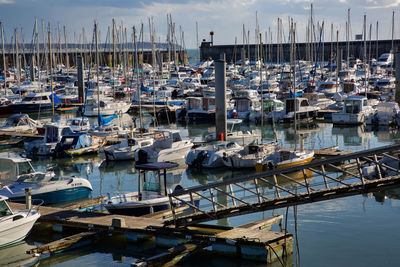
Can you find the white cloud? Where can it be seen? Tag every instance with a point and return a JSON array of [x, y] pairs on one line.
[[6, 2]]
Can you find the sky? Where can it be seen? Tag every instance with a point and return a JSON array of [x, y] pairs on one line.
[[224, 17]]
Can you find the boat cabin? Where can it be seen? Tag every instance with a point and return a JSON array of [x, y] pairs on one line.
[[54, 132], [13, 167], [300, 102], [5, 210], [355, 104], [150, 186]]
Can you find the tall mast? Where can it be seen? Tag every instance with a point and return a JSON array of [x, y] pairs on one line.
[[97, 72], [18, 66], [376, 46], [293, 59], [4, 59], [137, 78], [51, 77], [114, 56], [197, 41], [37, 50], [66, 50], [392, 51], [348, 36], [262, 92]]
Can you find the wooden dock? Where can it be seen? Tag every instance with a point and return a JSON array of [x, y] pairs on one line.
[[250, 241], [21, 134]]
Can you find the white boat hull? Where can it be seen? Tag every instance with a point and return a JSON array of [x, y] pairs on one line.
[[15, 231]]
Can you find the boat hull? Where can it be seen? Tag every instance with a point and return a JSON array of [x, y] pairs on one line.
[[58, 196], [29, 108], [17, 230]]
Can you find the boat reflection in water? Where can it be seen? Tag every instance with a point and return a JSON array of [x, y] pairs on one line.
[[16, 255]]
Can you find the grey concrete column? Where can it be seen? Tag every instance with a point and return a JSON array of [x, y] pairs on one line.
[[220, 99], [81, 83]]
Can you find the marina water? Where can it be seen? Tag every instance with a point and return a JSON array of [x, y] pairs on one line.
[[353, 231]]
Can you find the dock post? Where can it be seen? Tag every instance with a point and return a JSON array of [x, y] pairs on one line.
[[28, 198], [220, 100], [81, 84], [397, 73]]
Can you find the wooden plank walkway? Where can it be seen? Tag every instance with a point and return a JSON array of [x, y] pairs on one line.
[[21, 134]]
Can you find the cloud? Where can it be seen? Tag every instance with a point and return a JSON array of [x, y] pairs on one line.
[[224, 17]]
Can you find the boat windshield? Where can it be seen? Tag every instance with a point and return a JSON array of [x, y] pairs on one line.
[[25, 168], [4, 209]]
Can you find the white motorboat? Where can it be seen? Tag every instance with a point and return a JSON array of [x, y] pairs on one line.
[[44, 185], [152, 194], [168, 146], [81, 124], [240, 137], [246, 102], [302, 107], [107, 108], [211, 156], [53, 133], [355, 111], [20, 122], [126, 149], [249, 156], [15, 225]]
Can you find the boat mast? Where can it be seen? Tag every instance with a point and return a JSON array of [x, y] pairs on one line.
[[17, 62], [137, 78], [114, 56], [348, 37], [51, 76], [392, 51], [365, 53], [97, 73], [262, 91], [37, 50], [4, 59], [293, 57]]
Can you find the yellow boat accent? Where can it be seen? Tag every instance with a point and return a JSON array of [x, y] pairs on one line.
[[295, 163]]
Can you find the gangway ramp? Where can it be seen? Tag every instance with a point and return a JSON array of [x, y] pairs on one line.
[[372, 170]]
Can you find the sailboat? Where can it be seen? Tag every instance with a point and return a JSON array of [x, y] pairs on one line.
[[284, 158]]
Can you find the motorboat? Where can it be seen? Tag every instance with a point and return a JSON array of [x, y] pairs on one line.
[[299, 106], [152, 194], [53, 133], [34, 102], [240, 137], [43, 185], [168, 145], [15, 225], [211, 155], [81, 124], [106, 107], [78, 144], [249, 156], [20, 123], [285, 158], [246, 102], [355, 111], [126, 149]]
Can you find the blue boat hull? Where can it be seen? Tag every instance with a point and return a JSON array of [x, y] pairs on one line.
[[57, 196], [30, 108]]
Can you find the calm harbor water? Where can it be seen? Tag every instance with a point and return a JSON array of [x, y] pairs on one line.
[[354, 231]]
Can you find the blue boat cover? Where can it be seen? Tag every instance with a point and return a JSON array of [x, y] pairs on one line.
[[56, 99], [106, 121]]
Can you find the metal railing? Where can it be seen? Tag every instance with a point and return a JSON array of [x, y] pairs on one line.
[[339, 176]]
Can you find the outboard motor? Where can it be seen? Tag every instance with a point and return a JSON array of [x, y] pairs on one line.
[[199, 159], [142, 157]]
